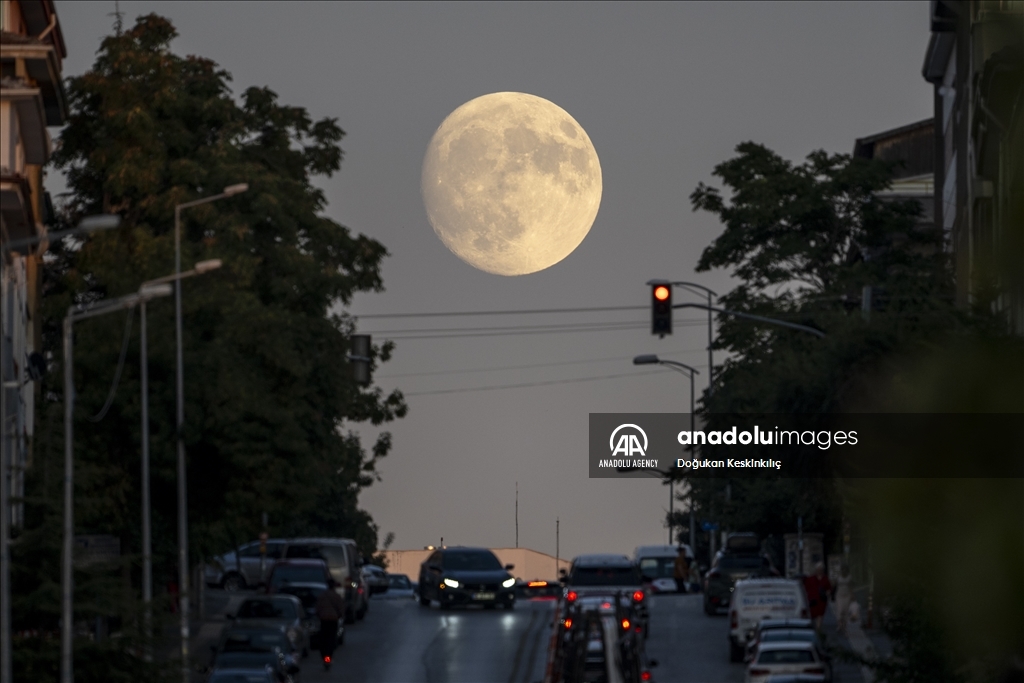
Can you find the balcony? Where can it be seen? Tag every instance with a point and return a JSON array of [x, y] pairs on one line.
[[16, 207], [18, 97], [42, 68]]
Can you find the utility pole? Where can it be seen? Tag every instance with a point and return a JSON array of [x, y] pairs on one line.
[[556, 546], [517, 514]]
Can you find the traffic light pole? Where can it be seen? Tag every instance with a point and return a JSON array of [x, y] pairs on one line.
[[756, 318]]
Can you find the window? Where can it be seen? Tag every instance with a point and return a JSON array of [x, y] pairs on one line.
[[300, 551], [267, 609], [786, 657], [658, 567], [604, 576], [250, 550], [471, 561], [290, 574]]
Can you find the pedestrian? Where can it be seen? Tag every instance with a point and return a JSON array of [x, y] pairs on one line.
[[842, 597], [817, 587], [330, 609], [682, 570]]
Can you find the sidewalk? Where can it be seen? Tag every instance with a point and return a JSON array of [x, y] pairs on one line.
[[865, 642]]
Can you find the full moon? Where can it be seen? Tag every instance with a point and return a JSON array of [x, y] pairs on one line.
[[511, 183]]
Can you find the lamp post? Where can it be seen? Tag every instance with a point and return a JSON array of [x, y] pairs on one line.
[[183, 593], [76, 313], [87, 225], [147, 551], [652, 359]]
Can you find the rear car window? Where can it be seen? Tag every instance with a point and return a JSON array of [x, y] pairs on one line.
[[658, 567], [777, 635], [255, 642], [605, 576], [399, 581], [731, 564], [786, 657], [267, 609], [292, 574]]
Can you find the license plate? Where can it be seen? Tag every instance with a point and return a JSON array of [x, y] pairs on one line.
[[483, 596]]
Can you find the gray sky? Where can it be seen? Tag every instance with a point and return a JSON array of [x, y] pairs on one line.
[[665, 91]]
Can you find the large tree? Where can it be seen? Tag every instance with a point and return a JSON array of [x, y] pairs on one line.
[[267, 386]]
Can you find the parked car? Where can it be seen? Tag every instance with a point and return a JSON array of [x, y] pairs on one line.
[[399, 588], [465, 576], [376, 579], [657, 565], [234, 571], [242, 647], [756, 599], [779, 658], [274, 611], [727, 569], [775, 624]]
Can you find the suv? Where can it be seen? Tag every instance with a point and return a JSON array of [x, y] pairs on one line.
[[233, 571], [739, 560], [461, 576], [607, 575]]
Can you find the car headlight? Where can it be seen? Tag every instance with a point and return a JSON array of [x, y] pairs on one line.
[[508, 583], [451, 583]]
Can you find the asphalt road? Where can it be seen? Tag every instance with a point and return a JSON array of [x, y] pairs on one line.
[[401, 642]]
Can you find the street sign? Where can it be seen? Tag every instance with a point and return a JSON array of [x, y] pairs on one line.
[[709, 526]]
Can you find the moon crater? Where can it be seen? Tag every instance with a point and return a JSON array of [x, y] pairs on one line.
[[511, 183]]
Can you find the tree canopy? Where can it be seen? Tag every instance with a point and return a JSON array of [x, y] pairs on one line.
[[268, 390]]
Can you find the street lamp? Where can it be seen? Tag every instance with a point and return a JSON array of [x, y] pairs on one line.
[[86, 225], [183, 593], [74, 314], [147, 551], [652, 359]]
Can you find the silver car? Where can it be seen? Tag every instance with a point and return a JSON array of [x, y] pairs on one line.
[[376, 579], [274, 611]]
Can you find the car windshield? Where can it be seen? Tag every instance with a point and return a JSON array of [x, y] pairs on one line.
[[779, 634], [334, 555], [741, 563], [240, 677], [471, 561], [786, 657], [399, 581], [267, 641], [605, 576], [658, 567], [267, 609], [246, 660], [307, 595], [294, 574]]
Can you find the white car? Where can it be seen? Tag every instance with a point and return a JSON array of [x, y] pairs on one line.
[[753, 600], [782, 658]]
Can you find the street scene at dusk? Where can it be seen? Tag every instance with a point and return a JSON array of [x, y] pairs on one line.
[[512, 342]]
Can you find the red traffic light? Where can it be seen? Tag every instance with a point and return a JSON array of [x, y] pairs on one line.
[[662, 293]]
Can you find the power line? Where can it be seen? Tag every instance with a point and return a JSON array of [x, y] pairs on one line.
[[504, 312], [454, 333], [524, 385], [463, 371]]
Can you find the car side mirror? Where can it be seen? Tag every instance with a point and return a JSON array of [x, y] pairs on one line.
[[509, 567]]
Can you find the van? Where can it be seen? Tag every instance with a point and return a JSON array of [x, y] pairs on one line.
[[764, 598], [343, 562], [657, 565]]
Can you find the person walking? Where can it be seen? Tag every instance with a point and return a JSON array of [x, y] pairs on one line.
[[330, 609], [842, 596], [817, 587], [681, 571]]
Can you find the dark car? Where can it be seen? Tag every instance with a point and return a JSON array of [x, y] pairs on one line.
[[602, 574], [241, 647], [275, 611], [730, 567], [466, 576]]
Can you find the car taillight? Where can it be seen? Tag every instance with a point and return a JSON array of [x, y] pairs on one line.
[[625, 624], [571, 596], [567, 622], [645, 676], [733, 619], [638, 596], [327, 659]]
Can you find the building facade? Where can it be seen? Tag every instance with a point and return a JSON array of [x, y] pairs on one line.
[[31, 100], [975, 61]]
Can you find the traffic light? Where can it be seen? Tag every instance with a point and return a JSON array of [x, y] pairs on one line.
[[661, 308]]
